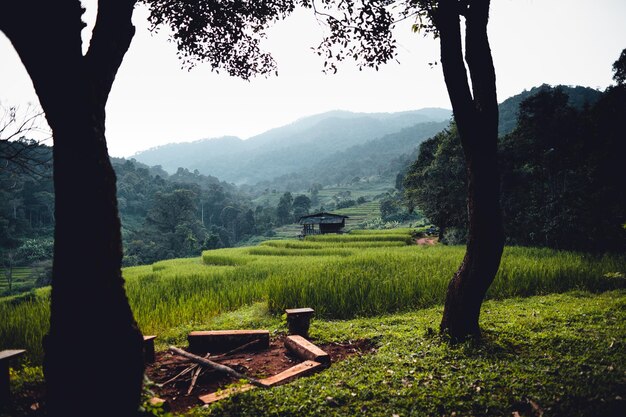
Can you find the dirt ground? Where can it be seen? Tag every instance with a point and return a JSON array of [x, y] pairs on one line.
[[260, 364], [31, 400]]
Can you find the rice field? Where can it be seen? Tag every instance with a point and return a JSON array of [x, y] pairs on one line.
[[361, 213], [23, 279], [364, 273]]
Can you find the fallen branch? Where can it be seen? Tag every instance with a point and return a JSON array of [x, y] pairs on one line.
[[218, 367], [194, 378], [183, 372]]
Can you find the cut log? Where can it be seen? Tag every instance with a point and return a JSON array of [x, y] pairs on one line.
[[301, 369], [306, 350], [218, 367], [218, 341], [299, 320]]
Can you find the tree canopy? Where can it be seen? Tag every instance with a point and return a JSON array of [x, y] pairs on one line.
[[559, 184]]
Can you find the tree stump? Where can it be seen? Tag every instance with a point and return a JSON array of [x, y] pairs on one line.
[[299, 320]]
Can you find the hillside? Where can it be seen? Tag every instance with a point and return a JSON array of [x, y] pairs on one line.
[[509, 108], [287, 149]]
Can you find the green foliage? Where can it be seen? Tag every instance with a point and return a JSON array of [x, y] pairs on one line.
[[436, 182], [559, 185], [578, 97], [163, 216], [284, 209], [25, 320], [619, 69]]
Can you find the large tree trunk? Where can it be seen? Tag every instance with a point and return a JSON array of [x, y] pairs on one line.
[[476, 115], [90, 315]]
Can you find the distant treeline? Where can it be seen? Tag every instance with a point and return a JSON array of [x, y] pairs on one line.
[[562, 170], [163, 216]]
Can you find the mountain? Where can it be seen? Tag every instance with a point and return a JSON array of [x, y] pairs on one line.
[[328, 148], [288, 149], [375, 157]]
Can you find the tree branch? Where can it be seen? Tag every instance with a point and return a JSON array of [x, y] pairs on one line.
[[218, 367], [19, 153]]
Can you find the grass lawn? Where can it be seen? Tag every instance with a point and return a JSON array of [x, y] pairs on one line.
[[554, 355]]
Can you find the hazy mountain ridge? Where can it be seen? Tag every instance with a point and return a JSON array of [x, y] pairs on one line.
[[329, 147], [285, 149]]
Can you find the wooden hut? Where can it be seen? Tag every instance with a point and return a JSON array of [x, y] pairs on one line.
[[322, 223]]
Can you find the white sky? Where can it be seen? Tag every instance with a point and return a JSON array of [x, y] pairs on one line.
[[154, 101]]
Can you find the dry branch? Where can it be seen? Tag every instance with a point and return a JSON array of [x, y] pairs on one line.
[[218, 367]]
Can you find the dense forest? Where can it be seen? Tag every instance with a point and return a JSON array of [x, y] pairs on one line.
[[163, 216], [560, 167]]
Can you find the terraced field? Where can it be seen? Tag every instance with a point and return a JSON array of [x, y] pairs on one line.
[[23, 279], [358, 214], [363, 273]]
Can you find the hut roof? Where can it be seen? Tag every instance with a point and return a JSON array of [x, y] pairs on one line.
[[322, 218]]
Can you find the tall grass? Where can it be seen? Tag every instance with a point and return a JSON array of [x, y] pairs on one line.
[[340, 276], [24, 320]]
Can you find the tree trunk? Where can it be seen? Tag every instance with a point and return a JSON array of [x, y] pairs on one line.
[[90, 315], [476, 115]]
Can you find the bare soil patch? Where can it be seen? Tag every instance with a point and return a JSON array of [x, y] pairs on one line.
[[259, 364]]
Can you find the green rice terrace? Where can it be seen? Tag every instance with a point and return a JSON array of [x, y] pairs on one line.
[[554, 325], [22, 278]]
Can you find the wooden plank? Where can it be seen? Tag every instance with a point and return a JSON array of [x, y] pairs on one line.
[[306, 350], [301, 369], [11, 353], [218, 395], [217, 341]]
